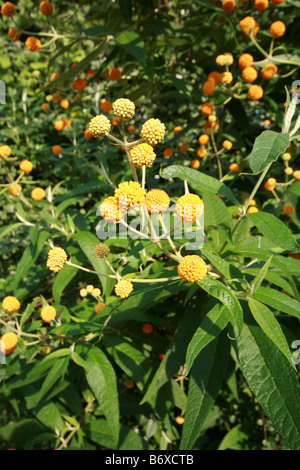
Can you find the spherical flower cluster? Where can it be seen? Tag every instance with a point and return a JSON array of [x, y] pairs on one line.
[[15, 189], [268, 71], [224, 59], [38, 194], [143, 154], [192, 268], [124, 109], [46, 8], [153, 131], [249, 25], [226, 77], [177, 129], [270, 184], [277, 29], [157, 200], [114, 74], [33, 44], [261, 5], [8, 343], [48, 313], [56, 259], [106, 105], [245, 60], [255, 92], [26, 166], [209, 87], [201, 152], [228, 5], [14, 34], [129, 194], [296, 174], [5, 151], [64, 103], [123, 288], [79, 84], [11, 304], [227, 144], [203, 139], [102, 250], [99, 126], [207, 108], [56, 149], [111, 211], [189, 207], [8, 9], [168, 153], [249, 74], [234, 167]]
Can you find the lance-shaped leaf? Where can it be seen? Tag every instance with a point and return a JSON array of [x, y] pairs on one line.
[[267, 148]]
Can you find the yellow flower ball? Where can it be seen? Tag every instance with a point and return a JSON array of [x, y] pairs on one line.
[[8, 343], [189, 207], [99, 126], [157, 200], [15, 189], [102, 250], [26, 166], [56, 259], [11, 304], [130, 193], [124, 109], [153, 131], [5, 151], [111, 210], [143, 154], [48, 313], [38, 194], [123, 288], [192, 268]]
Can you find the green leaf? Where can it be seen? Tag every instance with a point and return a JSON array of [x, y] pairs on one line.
[[211, 326], [267, 321], [62, 279], [261, 275], [271, 378], [226, 296], [278, 301], [274, 229], [198, 180], [206, 378], [133, 44], [9, 228], [267, 148], [30, 254], [103, 382]]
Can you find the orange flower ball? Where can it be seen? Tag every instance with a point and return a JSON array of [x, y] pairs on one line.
[[59, 125], [227, 145], [255, 92], [131, 128], [45, 107], [249, 74], [261, 5], [277, 29], [79, 84], [105, 105], [226, 77], [207, 109], [245, 60], [15, 189], [46, 8], [249, 25], [268, 71], [288, 209], [38, 194], [216, 76], [270, 184], [114, 74], [201, 153], [183, 148], [296, 174], [168, 153], [203, 139], [228, 6], [88, 135], [234, 167], [195, 164], [208, 87], [33, 44], [147, 328], [56, 149], [252, 210], [14, 34], [8, 9], [64, 103]]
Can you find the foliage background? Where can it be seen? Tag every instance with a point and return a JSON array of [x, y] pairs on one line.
[[165, 50]]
